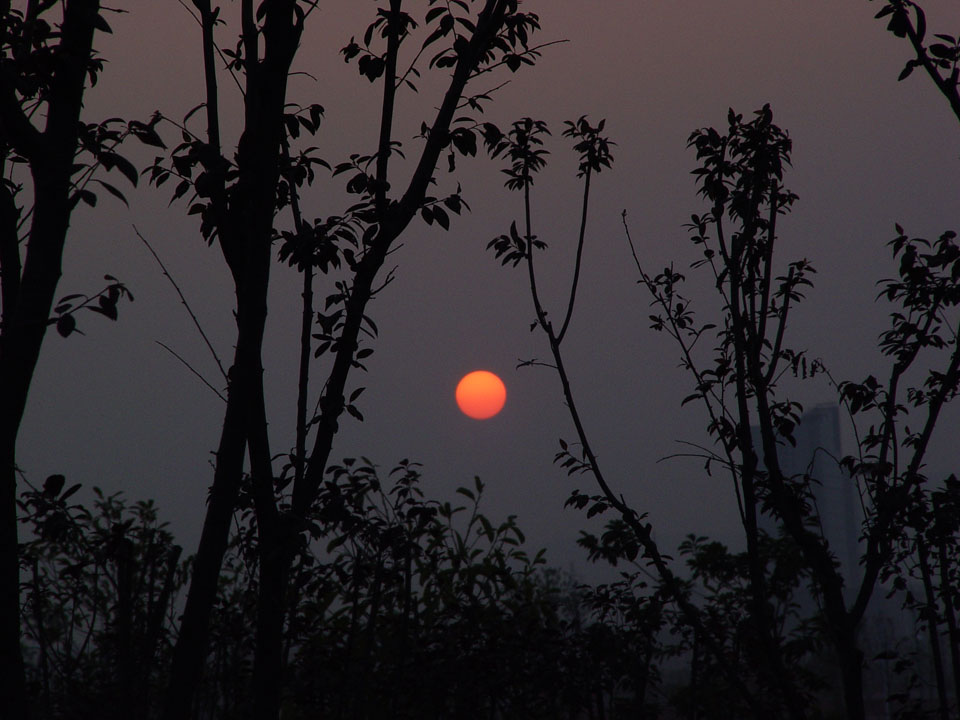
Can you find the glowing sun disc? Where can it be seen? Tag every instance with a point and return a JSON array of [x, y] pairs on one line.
[[481, 394]]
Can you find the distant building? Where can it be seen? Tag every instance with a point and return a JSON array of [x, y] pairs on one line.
[[816, 454], [887, 626]]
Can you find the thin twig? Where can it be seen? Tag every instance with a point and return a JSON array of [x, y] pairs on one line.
[[534, 363], [529, 51], [191, 369], [714, 413], [489, 92], [184, 301]]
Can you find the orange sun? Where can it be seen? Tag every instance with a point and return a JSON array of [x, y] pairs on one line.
[[481, 394]]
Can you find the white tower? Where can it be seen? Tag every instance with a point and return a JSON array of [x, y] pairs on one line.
[[816, 455]]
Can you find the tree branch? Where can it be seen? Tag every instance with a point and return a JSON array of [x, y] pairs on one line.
[[576, 267], [384, 146]]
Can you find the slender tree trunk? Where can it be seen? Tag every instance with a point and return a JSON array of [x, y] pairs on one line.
[[694, 676], [933, 631], [13, 701], [245, 385], [949, 594], [944, 532], [747, 359], [38, 617], [19, 352], [154, 627], [245, 237], [276, 539], [191, 647], [126, 666], [245, 379]]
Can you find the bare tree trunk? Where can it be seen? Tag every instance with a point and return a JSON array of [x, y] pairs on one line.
[[191, 646]]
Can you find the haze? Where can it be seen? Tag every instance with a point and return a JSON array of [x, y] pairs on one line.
[[113, 409]]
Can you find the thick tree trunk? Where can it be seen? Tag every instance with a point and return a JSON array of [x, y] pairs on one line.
[[851, 673], [275, 563], [22, 336], [12, 680], [191, 647], [28, 298]]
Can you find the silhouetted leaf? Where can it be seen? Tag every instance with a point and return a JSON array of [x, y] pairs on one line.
[[899, 23], [100, 24], [66, 324], [356, 413], [108, 307], [146, 134], [53, 485], [112, 190], [939, 50], [88, 197]]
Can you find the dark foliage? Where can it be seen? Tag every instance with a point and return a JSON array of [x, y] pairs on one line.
[[405, 607]]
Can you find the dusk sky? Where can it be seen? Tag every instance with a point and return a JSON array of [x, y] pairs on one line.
[[114, 409]]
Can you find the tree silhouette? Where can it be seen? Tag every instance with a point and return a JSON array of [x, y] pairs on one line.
[[238, 199], [740, 176], [47, 61], [330, 588]]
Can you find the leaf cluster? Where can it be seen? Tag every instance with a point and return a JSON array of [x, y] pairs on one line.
[[103, 303], [522, 145], [593, 148], [908, 19]]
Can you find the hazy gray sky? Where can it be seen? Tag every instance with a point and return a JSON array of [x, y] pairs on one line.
[[113, 409]]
